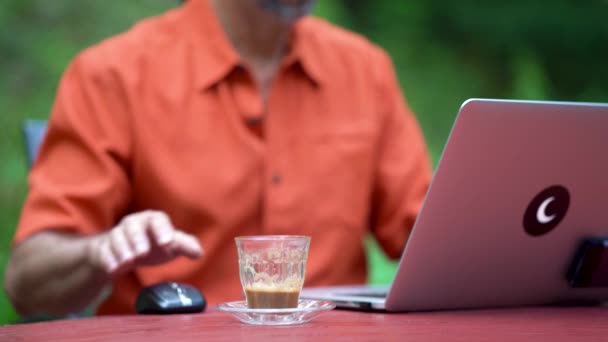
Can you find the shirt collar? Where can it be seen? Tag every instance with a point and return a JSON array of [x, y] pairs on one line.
[[305, 51], [215, 57]]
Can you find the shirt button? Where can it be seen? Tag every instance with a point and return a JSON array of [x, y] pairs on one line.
[[276, 179]]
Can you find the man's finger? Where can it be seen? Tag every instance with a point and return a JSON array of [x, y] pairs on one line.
[[137, 237], [106, 260], [187, 245], [120, 246], [161, 228]]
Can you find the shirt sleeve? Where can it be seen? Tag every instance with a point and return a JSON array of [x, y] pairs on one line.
[[403, 171], [80, 179]]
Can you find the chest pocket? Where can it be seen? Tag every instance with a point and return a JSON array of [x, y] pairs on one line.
[[339, 175]]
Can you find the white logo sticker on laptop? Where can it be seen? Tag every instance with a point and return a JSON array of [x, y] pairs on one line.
[[541, 214], [546, 210]]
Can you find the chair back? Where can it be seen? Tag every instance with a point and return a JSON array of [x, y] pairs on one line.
[[33, 134]]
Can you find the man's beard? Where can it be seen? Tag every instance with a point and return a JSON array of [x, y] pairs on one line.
[[285, 10]]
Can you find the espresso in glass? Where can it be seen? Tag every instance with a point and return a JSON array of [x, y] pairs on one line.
[[260, 298], [272, 269]]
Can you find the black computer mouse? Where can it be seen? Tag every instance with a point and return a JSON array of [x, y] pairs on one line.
[[170, 298]]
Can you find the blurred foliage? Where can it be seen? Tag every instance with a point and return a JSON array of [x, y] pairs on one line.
[[444, 52]]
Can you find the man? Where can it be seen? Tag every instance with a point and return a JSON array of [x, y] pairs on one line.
[[217, 119]]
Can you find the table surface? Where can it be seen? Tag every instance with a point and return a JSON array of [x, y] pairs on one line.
[[518, 324]]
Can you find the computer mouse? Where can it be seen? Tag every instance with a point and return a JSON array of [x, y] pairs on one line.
[[170, 298]]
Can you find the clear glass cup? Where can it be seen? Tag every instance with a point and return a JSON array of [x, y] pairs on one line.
[[272, 269]]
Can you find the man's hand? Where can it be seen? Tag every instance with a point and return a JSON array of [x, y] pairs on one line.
[[57, 273], [145, 238]]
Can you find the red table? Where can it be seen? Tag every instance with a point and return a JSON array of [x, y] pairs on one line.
[[521, 324]]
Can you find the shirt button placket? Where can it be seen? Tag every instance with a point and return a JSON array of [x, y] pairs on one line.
[[271, 198], [275, 179], [280, 174]]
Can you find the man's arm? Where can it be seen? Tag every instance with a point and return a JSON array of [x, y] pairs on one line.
[[50, 273], [80, 184], [403, 170], [55, 273]]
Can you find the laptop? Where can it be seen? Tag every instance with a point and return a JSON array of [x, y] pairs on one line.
[[519, 185]]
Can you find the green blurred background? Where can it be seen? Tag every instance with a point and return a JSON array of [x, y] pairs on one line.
[[444, 51]]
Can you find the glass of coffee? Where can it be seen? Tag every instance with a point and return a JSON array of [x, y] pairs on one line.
[[272, 269]]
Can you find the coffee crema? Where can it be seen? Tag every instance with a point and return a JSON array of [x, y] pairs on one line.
[[260, 298]]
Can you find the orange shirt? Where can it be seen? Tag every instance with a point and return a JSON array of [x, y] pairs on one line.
[[158, 117]]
